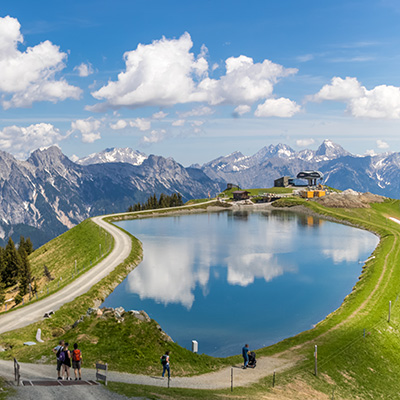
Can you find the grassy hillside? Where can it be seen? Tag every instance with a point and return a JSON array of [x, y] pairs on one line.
[[350, 366], [86, 244], [257, 192]]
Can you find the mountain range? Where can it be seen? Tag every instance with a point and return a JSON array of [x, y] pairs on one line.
[[377, 174], [48, 193]]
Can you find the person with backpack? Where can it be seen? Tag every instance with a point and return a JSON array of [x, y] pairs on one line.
[[65, 357], [77, 361], [165, 363], [57, 351]]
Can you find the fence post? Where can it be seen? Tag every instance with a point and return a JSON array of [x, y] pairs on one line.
[[316, 360], [390, 307], [231, 379], [273, 380], [17, 375]]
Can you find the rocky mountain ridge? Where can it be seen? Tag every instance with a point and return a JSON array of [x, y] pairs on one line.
[[48, 193], [377, 174]]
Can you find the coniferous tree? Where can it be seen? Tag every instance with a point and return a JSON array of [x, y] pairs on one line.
[[28, 246], [12, 264], [25, 272], [21, 242], [180, 202]]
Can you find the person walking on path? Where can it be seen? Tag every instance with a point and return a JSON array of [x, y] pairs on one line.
[[245, 354], [165, 364], [66, 361], [77, 361], [57, 351]]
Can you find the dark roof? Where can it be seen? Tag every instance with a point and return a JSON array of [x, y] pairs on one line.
[[240, 192], [310, 175]]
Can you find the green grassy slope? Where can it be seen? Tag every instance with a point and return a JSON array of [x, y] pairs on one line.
[[86, 244], [350, 366], [348, 363], [257, 192]]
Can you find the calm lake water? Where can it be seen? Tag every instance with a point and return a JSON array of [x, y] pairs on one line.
[[229, 278]]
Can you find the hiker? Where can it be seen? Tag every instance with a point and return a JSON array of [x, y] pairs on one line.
[[77, 361], [66, 361], [57, 350], [165, 364], [245, 354]]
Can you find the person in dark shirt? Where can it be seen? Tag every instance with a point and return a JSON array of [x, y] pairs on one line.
[[165, 364], [245, 354], [67, 362]]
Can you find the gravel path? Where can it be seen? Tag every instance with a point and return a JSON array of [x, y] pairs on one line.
[[34, 312], [215, 380]]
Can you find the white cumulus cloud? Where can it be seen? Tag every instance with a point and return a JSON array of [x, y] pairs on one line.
[[197, 112], [382, 101], [89, 128], [242, 109], [120, 124], [178, 122], [245, 82], [159, 115], [84, 69], [382, 144], [165, 73], [282, 107], [305, 142], [142, 124], [154, 136], [30, 76], [21, 141], [339, 90]]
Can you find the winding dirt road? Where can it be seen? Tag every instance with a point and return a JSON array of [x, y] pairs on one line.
[[34, 312]]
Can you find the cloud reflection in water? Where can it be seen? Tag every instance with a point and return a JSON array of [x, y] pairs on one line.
[[173, 266]]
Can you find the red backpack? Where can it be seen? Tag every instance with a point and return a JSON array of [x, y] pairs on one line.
[[76, 355]]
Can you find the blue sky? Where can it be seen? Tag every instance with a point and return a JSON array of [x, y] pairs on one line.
[[196, 80]]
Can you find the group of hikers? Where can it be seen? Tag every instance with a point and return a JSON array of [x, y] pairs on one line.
[[64, 358]]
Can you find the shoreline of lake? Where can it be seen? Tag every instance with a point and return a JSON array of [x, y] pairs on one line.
[[246, 251]]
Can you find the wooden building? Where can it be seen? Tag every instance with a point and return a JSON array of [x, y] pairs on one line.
[[240, 195]]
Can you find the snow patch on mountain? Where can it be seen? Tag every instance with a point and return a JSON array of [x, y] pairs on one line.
[[112, 155]]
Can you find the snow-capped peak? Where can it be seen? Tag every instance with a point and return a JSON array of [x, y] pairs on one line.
[[125, 155], [329, 150]]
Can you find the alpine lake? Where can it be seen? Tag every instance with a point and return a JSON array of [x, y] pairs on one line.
[[234, 277]]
